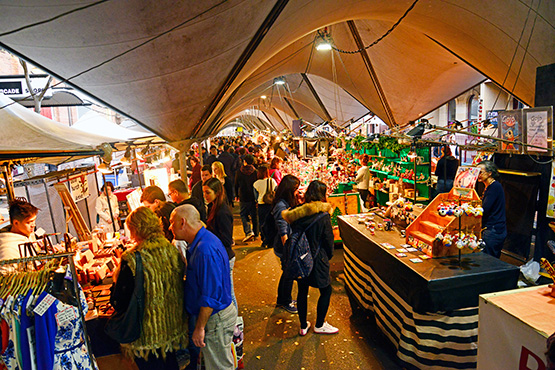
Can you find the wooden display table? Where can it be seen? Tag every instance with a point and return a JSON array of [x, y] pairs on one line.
[[429, 310], [514, 327]]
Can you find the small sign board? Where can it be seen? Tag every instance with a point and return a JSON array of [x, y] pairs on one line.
[[79, 187]]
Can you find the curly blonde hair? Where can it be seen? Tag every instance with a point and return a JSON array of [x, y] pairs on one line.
[[144, 224], [218, 169]]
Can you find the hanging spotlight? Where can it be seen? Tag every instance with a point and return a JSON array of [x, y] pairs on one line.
[[412, 154], [126, 160], [323, 40], [279, 80], [263, 97], [104, 168], [142, 154]]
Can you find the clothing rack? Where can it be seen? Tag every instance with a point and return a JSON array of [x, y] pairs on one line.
[[69, 256]]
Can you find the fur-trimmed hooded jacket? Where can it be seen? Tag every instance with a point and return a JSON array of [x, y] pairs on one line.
[[320, 234]]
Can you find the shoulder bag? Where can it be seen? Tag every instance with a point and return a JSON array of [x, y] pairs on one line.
[[125, 327], [268, 197]]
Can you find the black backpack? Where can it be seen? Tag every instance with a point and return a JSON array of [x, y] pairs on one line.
[[269, 228], [298, 257]]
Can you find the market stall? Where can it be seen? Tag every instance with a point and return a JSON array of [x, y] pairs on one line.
[[427, 307]]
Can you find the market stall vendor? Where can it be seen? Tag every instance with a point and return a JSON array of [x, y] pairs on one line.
[[493, 202], [104, 218], [21, 230]]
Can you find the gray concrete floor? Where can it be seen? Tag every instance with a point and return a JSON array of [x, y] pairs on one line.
[[271, 335]]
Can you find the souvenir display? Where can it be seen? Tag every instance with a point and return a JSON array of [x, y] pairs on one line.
[[450, 224]]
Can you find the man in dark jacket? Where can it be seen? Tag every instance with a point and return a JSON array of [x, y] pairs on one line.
[[213, 157], [244, 182], [180, 196], [230, 165]]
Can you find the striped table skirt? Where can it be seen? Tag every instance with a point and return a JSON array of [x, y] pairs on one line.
[[443, 340]]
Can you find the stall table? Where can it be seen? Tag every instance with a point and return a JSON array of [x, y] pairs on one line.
[[514, 327], [429, 310]]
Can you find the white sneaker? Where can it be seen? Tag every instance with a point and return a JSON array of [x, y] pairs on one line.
[[248, 237], [304, 332], [326, 329]]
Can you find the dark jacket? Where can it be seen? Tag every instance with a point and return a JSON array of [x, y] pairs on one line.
[[198, 204], [320, 234], [222, 227], [227, 160], [282, 227], [196, 192], [446, 168], [244, 181], [211, 159], [228, 187]]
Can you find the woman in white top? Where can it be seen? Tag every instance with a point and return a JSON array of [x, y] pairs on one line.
[[362, 179], [261, 186], [104, 218]]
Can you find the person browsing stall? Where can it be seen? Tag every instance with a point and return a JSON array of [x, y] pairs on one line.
[[207, 289], [164, 324], [179, 195], [154, 198], [494, 221], [23, 216]]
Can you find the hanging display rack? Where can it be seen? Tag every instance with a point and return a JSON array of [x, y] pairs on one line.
[[69, 256]]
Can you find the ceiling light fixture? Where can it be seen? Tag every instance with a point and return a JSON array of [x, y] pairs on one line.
[[323, 40], [263, 97], [279, 80]]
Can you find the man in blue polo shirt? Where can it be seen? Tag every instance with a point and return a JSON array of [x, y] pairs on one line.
[[207, 288]]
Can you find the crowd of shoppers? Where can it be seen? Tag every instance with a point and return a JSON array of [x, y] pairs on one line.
[[200, 215]]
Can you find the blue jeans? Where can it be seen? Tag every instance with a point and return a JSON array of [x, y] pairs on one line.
[[443, 186], [248, 210], [494, 241]]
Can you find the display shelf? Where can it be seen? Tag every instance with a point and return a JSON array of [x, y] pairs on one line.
[[379, 171], [393, 177], [408, 181], [411, 163]]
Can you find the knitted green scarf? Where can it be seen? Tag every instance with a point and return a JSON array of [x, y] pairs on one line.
[[165, 320]]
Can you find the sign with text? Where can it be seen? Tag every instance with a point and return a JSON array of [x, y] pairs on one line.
[[15, 87], [79, 187]]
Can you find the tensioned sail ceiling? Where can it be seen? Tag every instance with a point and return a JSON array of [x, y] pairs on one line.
[[183, 69]]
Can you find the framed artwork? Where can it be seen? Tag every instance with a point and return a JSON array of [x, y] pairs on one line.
[[539, 131], [509, 125]]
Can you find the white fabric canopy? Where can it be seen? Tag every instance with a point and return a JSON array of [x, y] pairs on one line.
[[94, 123], [26, 133], [183, 69]]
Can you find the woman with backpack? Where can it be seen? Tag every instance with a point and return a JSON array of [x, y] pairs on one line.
[[285, 197], [314, 220], [265, 189]]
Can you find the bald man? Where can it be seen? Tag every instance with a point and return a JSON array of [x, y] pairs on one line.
[[207, 288]]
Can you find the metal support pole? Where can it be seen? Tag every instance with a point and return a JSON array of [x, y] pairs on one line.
[[9, 182], [50, 209]]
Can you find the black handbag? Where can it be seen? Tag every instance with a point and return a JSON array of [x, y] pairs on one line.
[[125, 327]]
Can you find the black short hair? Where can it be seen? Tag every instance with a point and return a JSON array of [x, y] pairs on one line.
[[249, 159], [207, 168], [21, 209]]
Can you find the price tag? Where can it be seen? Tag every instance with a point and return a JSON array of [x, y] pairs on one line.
[[388, 246], [401, 250], [400, 255], [66, 315], [415, 260], [44, 305], [412, 249]]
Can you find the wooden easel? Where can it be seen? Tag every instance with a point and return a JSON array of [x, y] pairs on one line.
[[72, 213]]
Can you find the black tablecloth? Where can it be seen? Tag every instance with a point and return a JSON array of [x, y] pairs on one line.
[[432, 285]]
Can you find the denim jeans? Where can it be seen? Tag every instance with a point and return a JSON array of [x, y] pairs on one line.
[[248, 210], [494, 241], [233, 298]]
